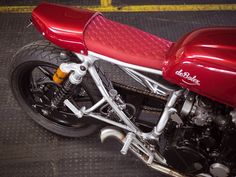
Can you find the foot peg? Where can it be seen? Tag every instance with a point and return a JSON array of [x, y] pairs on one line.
[[129, 139], [127, 143], [138, 148], [150, 160]]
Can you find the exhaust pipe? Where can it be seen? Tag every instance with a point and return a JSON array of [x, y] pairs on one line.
[[109, 132]]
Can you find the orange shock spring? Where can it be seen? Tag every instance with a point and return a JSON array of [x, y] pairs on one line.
[[59, 76]]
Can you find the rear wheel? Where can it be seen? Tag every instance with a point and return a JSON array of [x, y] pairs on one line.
[[31, 82]]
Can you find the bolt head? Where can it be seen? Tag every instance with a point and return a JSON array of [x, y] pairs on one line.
[[63, 55], [83, 68], [45, 112]]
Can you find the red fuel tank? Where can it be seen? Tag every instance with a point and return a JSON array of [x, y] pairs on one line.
[[204, 61]]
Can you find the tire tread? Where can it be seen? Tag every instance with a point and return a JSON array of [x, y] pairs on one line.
[[45, 51]]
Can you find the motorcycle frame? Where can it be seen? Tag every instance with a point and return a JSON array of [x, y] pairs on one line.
[[128, 125], [154, 86]]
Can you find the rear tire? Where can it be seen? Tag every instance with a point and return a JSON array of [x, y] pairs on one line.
[[45, 54]]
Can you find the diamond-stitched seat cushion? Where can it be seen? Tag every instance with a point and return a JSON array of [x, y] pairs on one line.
[[125, 43]]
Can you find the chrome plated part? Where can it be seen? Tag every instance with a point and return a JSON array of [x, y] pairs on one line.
[[160, 158], [166, 170], [156, 166], [233, 115], [203, 175], [188, 104], [95, 106], [127, 142], [219, 170], [168, 111], [201, 119], [234, 120], [76, 70], [63, 55], [77, 112], [110, 101], [108, 132], [113, 93], [130, 126], [138, 145], [68, 67], [162, 122], [84, 58], [132, 143], [201, 113], [77, 76], [99, 117], [82, 112], [45, 112]]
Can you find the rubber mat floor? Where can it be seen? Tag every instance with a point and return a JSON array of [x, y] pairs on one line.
[[27, 150]]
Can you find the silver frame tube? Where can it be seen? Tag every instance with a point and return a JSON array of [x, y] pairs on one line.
[[154, 86], [109, 100], [120, 63], [127, 124]]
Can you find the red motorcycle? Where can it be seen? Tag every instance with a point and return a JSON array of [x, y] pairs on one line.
[[182, 124]]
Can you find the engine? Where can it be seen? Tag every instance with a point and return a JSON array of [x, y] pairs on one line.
[[204, 140], [202, 111]]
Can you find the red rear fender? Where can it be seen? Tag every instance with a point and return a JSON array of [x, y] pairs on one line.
[[63, 25]]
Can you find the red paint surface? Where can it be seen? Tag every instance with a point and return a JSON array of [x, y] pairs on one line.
[[125, 43], [76, 29], [63, 25], [203, 61], [208, 55]]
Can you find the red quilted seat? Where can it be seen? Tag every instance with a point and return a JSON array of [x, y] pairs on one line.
[[125, 43]]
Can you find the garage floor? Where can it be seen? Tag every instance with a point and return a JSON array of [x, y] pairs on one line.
[[27, 150]]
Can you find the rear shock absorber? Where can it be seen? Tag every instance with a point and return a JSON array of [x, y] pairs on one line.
[[63, 93], [69, 75]]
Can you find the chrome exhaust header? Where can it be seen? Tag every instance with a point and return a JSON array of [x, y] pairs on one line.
[[109, 132]]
